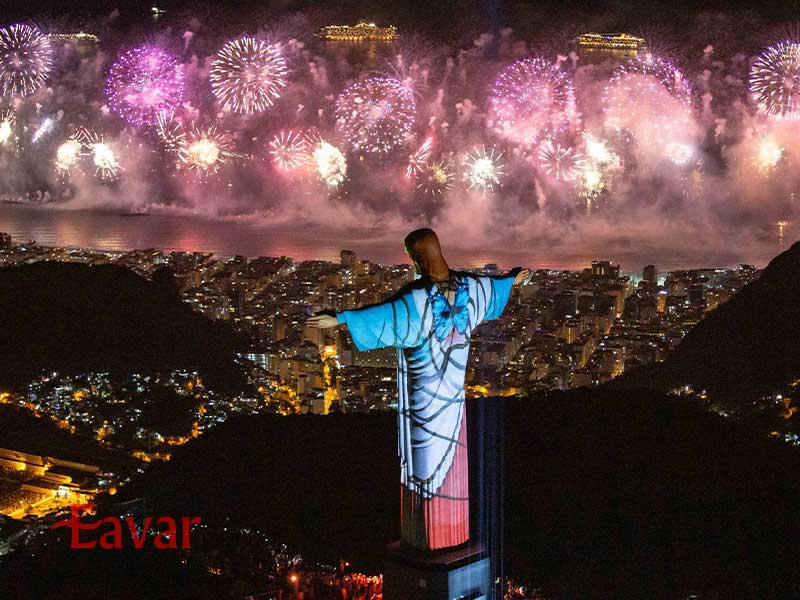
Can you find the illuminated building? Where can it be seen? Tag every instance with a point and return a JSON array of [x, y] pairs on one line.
[[360, 32], [47, 482]]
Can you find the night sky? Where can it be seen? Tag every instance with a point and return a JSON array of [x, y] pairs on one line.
[[444, 18]]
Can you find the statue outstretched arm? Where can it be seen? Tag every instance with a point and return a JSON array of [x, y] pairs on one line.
[[391, 323], [493, 292]]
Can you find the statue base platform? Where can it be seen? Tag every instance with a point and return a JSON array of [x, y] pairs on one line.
[[460, 573]]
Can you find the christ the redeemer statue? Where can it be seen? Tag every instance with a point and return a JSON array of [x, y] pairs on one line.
[[430, 322]]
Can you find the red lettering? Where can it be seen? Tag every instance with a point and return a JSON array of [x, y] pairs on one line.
[[112, 539], [76, 527], [138, 541], [187, 523], [168, 537]]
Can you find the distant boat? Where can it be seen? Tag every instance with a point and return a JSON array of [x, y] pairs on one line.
[[134, 214]]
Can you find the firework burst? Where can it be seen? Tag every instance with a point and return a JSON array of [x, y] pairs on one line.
[[6, 127], [591, 180], [105, 161], [419, 159], [561, 162], [641, 77], [436, 178], [768, 155], [85, 143], [170, 132], [290, 150], [144, 83], [649, 100], [530, 98], [329, 162], [775, 81], [205, 150], [68, 155], [412, 59], [376, 115], [483, 169], [600, 161], [25, 60], [248, 75], [680, 154], [599, 153], [591, 184]]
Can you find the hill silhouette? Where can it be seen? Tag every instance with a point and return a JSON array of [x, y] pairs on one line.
[[747, 346], [73, 317], [607, 494]]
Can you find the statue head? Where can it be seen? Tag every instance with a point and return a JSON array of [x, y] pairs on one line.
[[422, 246]]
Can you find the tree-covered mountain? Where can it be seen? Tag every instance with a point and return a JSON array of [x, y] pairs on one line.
[[74, 317], [748, 346]]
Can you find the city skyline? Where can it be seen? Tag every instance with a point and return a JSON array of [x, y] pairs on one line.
[[558, 312]]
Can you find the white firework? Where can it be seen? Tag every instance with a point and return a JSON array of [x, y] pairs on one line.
[[484, 169], [105, 161], [290, 150], [330, 163], [561, 162], [248, 75], [6, 127], [25, 60]]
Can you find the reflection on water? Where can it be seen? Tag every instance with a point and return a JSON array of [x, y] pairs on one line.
[[113, 231]]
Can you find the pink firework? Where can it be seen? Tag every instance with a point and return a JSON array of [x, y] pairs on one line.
[[531, 97], [145, 82], [418, 160], [376, 115], [650, 100], [290, 150], [644, 77]]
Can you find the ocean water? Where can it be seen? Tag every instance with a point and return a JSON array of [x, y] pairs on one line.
[[118, 231]]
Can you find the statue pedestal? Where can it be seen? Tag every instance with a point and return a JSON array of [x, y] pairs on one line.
[[460, 573]]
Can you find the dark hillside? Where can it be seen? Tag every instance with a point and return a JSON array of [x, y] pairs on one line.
[[74, 318]]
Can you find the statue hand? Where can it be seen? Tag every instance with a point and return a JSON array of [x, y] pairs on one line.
[[323, 320]]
